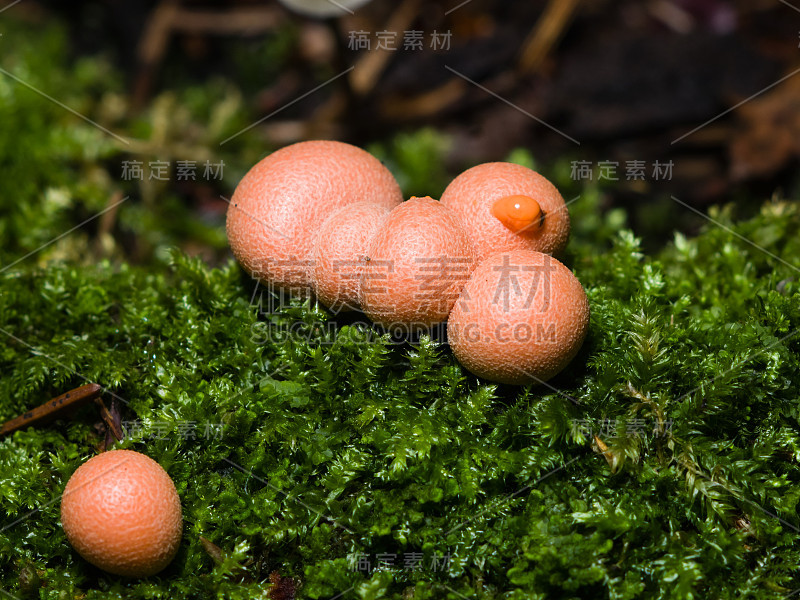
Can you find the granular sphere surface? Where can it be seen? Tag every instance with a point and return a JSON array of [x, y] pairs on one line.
[[474, 192], [280, 204], [340, 254], [520, 319], [419, 260], [121, 512]]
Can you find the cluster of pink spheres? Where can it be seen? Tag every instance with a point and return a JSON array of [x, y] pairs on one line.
[[514, 313]]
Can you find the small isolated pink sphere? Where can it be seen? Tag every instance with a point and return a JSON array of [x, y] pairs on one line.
[[121, 512], [521, 318]]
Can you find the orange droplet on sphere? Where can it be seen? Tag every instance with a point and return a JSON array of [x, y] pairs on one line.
[[518, 212], [474, 192]]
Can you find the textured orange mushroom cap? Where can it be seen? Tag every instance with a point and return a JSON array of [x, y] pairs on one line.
[[521, 318], [280, 204], [340, 254], [474, 193], [419, 260], [121, 512]]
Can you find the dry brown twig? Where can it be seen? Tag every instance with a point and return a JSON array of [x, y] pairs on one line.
[[52, 409], [549, 28]]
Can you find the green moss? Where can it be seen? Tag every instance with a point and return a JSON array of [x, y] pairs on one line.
[[336, 444], [61, 170], [45, 151]]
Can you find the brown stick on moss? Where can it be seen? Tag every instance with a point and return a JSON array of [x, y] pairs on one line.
[[54, 408]]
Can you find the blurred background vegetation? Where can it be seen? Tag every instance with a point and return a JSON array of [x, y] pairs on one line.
[[90, 90]]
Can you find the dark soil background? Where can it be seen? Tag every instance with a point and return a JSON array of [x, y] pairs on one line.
[[706, 84]]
